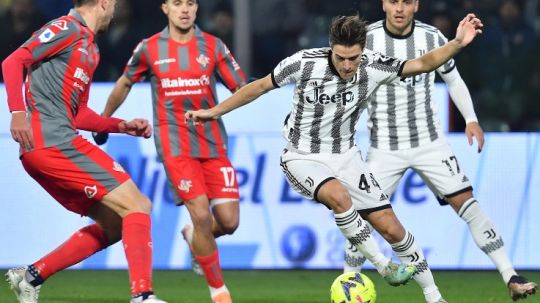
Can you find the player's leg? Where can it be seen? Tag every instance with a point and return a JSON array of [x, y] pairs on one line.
[[222, 185], [373, 204], [187, 177], [312, 177], [487, 238], [79, 176], [26, 281], [439, 167], [388, 167], [406, 248], [204, 248]]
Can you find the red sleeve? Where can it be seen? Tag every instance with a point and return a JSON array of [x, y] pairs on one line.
[[13, 69], [89, 120], [137, 67], [228, 69]]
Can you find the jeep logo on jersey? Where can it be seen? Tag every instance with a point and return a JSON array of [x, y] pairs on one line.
[[322, 98], [81, 75], [179, 82]]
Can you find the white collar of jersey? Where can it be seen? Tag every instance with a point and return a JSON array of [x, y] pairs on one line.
[[395, 36]]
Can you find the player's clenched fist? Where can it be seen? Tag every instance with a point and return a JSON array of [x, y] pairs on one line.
[[136, 127], [201, 115]]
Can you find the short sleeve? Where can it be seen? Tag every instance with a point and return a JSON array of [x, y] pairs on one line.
[[137, 67], [383, 69], [227, 67], [450, 64], [288, 70], [52, 39]]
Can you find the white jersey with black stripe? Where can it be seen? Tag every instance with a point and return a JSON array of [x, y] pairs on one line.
[[403, 115], [326, 108]]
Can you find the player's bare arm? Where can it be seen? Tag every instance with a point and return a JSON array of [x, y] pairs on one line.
[[118, 95], [241, 97], [467, 30], [473, 129]]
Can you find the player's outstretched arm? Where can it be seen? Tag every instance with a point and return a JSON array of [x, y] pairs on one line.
[[118, 95], [243, 96], [467, 30]]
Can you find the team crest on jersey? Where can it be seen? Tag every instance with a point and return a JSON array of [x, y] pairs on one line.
[[46, 36], [90, 191], [185, 185], [60, 24], [117, 167], [203, 60]]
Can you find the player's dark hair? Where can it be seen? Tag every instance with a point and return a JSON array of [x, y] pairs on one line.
[[348, 31], [78, 3]]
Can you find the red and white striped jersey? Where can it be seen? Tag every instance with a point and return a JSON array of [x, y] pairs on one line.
[[183, 77]]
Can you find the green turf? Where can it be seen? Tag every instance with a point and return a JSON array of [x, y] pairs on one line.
[[264, 287]]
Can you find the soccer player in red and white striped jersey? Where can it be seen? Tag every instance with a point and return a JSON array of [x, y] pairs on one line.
[[183, 64], [60, 60]]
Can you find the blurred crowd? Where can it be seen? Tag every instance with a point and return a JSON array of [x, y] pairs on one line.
[[501, 69]]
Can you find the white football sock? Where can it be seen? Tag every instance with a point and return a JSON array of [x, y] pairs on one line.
[[357, 231], [408, 252], [486, 237], [354, 259]]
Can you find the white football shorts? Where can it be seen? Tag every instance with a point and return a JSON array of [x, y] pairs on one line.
[[306, 173], [434, 162]]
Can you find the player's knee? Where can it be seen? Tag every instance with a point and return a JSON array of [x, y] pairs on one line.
[[143, 205], [202, 219], [339, 201], [393, 233], [229, 227]]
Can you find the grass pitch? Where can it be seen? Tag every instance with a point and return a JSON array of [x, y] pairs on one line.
[[267, 286]]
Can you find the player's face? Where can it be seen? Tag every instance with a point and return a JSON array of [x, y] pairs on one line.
[[108, 13], [399, 14], [181, 13], [346, 59]]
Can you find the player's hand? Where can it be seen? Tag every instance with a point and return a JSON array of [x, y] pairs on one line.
[[473, 129], [100, 138], [136, 127], [468, 29], [21, 131], [201, 115]]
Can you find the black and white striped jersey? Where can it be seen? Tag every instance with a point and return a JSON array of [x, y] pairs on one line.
[[326, 108], [403, 115]]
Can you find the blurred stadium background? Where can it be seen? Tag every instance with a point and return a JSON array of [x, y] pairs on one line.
[[502, 70]]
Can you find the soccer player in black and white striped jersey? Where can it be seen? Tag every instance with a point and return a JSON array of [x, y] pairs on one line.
[[321, 161], [405, 133]]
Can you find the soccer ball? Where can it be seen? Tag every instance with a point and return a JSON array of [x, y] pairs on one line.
[[353, 287]]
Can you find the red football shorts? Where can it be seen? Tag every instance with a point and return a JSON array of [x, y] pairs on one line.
[[77, 173], [193, 177]]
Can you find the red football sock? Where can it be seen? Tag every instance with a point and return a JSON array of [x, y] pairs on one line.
[[136, 235], [212, 269], [81, 245]]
